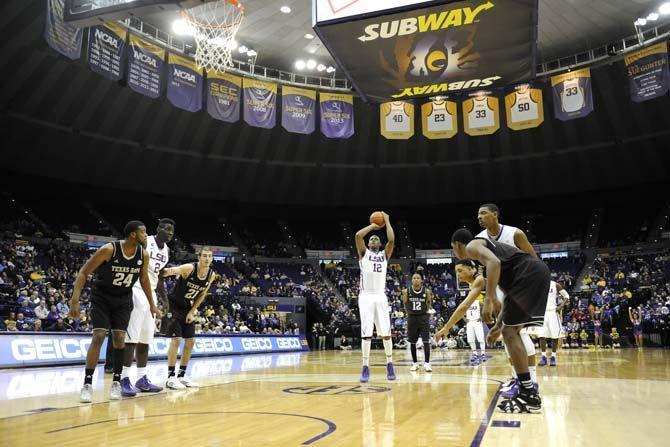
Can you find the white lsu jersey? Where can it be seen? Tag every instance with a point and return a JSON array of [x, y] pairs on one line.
[[551, 299], [440, 119], [474, 312], [481, 114], [373, 272], [158, 259], [524, 108], [397, 120], [572, 98]]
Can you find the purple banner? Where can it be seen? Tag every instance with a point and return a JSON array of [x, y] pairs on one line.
[[572, 94], [337, 115], [648, 74], [184, 83], [298, 108], [223, 96], [106, 50], [145, 67], [59, 35], [260, 103]]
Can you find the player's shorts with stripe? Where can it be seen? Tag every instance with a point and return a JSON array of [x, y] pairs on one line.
[[141, 326], [552, 325], [177, 325], [475, 332], [418, 326], [375, 312]]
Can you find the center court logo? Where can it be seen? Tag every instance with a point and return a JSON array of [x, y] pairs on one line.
[[336, 390]]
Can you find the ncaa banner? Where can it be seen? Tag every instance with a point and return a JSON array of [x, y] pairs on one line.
[[223, 96], [145, 67], [648, 74], [480, 114], [59, 35], [416, 49], [572, 94], [337, 115], [106, 50], [184, 88], [396, 120], [439, 118], [260, 103], [298, 109], [524, 108]]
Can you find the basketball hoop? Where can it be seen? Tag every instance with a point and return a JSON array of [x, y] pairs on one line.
[[214, 25]]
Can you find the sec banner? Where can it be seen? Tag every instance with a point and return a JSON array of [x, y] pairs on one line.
[[337, 115], [260, 103], [223, 96], [298, 108], [106, 50], [184, 83], [439, 118], [145, 67], [648, 74], [480, 114], [448, 46], [396, 120]]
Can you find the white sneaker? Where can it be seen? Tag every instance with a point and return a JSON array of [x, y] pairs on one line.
[[427, 368], [174, 384], [414, 367], [85, 395], [188, 382], [115, 391]]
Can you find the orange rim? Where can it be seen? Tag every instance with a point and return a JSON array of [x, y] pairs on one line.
[[192, 20]]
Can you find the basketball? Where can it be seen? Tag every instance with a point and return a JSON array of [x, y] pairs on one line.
[[377, 218]]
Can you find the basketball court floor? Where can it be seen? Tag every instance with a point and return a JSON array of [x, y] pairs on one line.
[[619, 398]]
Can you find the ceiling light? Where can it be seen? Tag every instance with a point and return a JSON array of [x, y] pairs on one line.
[[285, 9], [232, 44], [653, 16], [330, 69], [252, 53], [320, 67], [664, 8], [309, 36], [182, 28], [243, 49], [300, 64], [640, 22], [311, 64]]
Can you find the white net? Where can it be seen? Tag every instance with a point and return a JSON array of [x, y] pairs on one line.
[[214, 26]]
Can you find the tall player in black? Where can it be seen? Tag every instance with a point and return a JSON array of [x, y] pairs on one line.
[[417, 301], [525, 282], [193, 283], [118, 265]]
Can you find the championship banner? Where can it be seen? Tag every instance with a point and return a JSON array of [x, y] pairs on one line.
[[223, 96], [184, 88], [405, 49], [298, 109], [572, 94], [480, 114], [145, 67], [396, 120], [648, 74], [260, 103], [337, 115], [106, 50], [59, 35], [524, 107], [439, 118]]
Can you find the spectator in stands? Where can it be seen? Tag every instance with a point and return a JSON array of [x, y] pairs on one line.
[[52, 316], [22, 324], [37, 326], [59, 326], [11, 319], [41, 311], [26, 309], [345, 345]]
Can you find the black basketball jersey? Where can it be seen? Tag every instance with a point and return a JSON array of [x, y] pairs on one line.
[[417, 302], [510, 257], [117, 276], [188, 289]]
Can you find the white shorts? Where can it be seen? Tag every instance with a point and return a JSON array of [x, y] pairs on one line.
[[552, 326], [375, 312], [475, 332], [142, 326]]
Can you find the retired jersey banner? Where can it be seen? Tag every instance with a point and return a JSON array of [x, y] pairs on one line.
[[524, 107], [480, 114], [145, 67], [106, 50], [60, 36], [572, 94], [337, 115], [396, 120], [184, 88], [439, 118], [298, 109], [648, 74], [223, 96], [410, 50], [260, 106]]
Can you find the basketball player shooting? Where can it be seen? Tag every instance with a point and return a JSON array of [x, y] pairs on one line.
[[372, 301], [525, 282]]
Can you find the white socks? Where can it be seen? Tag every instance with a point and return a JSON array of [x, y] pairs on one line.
[[125, 372], [365, 347], [533, 373], [388, 349], [141, 372], [483, 351]]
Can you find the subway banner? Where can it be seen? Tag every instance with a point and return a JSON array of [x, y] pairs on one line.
[[298, 110], [184, 88], [403, 49], [648, 74], [28, 349], [260, 106], [223, 96]]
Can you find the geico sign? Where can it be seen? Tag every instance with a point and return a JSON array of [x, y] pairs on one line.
[[288, 343], [49, 349], [256, 344], [211, 345]]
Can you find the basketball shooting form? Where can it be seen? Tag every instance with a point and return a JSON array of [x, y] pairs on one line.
[[398, 50]]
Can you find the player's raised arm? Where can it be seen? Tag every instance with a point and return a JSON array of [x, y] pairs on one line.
[[522, 243], [103, 254], [146, 285], [360, 238], [475, 290], [181, 270], [390, 236]]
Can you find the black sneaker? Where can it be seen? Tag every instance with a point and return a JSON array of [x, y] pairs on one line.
[[527, 401], [109, 369]]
